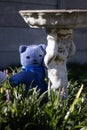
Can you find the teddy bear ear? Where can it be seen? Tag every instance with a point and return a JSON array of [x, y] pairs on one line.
[[22, 48], [43, 47]]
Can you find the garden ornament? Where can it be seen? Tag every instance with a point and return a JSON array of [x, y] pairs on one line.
[[61, 49]]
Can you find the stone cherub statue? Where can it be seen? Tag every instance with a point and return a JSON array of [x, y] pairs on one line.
[[59, 49]]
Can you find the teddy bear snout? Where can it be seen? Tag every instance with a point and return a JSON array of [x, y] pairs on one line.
[[35, 61]]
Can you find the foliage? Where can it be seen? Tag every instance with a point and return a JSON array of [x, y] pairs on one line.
[[32, 111]]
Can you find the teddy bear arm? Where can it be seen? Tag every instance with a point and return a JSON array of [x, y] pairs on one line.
[[16, 79]]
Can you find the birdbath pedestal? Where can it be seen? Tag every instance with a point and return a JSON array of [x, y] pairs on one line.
[[59, 25]]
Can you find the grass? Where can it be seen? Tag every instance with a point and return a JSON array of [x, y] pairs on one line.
[[32, 112]]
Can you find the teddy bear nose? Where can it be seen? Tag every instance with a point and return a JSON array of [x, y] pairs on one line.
[[35, 60]]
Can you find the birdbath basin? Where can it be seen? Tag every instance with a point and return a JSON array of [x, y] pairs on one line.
[[59, 25], [55, 18]]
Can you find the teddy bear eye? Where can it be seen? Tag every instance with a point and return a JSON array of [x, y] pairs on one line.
[[40, 55], [28, 57]]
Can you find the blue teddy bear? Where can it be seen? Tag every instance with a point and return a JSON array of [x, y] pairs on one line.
[[33, 69]]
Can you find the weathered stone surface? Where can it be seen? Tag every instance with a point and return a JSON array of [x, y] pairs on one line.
[[60, 48], [55, 18]]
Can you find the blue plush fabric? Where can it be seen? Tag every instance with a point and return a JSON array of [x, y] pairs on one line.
[[33, 70], [31, 77]]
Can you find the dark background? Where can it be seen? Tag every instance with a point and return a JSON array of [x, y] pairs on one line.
[[14, 31]]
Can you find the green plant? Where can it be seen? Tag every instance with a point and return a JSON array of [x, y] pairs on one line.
[[31, 111]]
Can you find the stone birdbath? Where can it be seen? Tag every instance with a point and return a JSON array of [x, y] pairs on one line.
[[59, 25]]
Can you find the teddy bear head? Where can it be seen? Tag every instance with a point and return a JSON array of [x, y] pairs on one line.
[[32, 55]]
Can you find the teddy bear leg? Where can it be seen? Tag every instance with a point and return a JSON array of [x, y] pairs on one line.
[[43, 87]]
